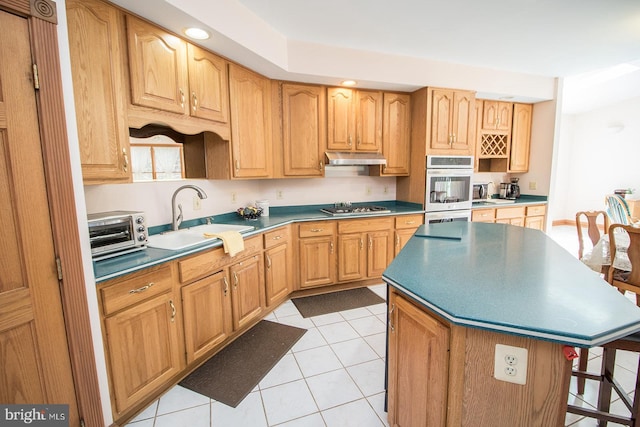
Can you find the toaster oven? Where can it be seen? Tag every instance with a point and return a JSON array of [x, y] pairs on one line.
[[116, 233]]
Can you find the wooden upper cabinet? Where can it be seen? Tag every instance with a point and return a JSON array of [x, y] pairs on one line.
[[99, 81], [169, 75], [341, 121], [157, 67], [452, 120], [304, 129], [208, 85], [369, 121], [250, 104], [396, 134], [354, 120], [520, 138], [497, 115]]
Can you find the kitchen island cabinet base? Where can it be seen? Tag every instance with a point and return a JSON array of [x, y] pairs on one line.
[[472, 396]]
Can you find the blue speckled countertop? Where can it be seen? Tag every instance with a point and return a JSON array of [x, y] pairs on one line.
[[523, 200], [278, 216], [511, 279]]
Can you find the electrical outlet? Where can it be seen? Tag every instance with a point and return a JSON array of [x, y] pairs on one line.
[[510, 364], [533, 185], [368, 190], [279, 195], [197, 203], [234, 197], [386, 190]]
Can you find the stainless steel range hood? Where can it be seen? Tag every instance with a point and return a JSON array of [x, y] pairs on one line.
[[355, 159]]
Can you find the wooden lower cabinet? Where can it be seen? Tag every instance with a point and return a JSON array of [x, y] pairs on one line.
[[417, 366], [278, 273], [406, 225], [442, 374], [247, 288], [531, 216], [317, 253], [206, 305], [365, 248], [143, 349]]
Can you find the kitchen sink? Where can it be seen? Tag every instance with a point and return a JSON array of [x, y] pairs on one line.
[[184, 239]]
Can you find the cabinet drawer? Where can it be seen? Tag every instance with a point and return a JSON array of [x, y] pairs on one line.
[[203, 264], [409, 221], [364, 225], [509, 212], [276, 237], [483, 215], [319, 228], [135, 288], [536, 210]]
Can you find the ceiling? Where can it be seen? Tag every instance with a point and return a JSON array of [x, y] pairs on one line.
[[525, 40]]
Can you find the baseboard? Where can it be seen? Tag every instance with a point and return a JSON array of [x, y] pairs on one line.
[[572, 222]]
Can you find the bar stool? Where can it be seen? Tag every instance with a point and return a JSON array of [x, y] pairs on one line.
[[608, 383]]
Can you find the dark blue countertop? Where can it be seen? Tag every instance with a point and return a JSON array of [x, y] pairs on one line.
[[278, 216], [513, 280]]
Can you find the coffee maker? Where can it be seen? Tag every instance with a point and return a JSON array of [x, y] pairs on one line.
[[510, 190]]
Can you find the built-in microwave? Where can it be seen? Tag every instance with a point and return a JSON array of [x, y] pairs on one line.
[[116, 233], [449, 183]]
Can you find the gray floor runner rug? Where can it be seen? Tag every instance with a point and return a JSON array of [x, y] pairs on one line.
[[230, 375], [336, 301]]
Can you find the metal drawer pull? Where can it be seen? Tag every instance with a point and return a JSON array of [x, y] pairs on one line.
[[235, 280], [331, 247], [276, 237], [181, 98], [226, 285], [173, 311], [393, 307], [268, 261], [142, 289], [316, 230], [409, 222], [125, 160], [194, 101]]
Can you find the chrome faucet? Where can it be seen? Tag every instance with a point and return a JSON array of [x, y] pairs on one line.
[[177, 220]]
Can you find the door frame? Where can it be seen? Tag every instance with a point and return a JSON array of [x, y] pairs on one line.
[[42, 19]]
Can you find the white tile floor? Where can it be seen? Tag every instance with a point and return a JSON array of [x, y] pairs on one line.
[[334, 376]]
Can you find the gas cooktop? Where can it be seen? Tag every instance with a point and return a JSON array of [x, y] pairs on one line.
[[347, 209]]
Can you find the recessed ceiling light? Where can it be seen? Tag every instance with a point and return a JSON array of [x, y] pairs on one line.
[[196, 33], [348, 83]]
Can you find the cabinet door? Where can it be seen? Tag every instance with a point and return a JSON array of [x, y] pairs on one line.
[[96, 44], [351, 257], [379, 250], [278, 270], [317, 261], [206, 305], [520, 138], [441, 110], [208, 85], [396, 133], [247, 280], [250, 102], [369, 121], [402, 237], [536, 222], [497, 115], [340, 119], [304, 129], [143, 349], [417, 366], [157, 67], [462, 119]]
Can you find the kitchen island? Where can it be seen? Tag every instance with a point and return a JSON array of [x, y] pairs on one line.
[[461, 291]]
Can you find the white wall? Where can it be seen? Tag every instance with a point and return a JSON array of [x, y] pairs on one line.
[[154, 198], [596, 158]]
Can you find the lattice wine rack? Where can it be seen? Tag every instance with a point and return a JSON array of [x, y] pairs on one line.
[[494, 145]]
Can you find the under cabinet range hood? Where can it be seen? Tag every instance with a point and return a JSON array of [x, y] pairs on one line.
[[355, 159]]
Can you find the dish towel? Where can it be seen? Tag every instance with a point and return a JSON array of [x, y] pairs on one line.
[[231, 240]]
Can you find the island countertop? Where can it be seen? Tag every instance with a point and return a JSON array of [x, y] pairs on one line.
[[513, 280]]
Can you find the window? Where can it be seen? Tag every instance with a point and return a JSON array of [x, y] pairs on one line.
[[156, 158]]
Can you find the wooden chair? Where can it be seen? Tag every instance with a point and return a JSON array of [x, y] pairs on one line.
[[625, 280], [594, 235], [617, 209], [608, 383]]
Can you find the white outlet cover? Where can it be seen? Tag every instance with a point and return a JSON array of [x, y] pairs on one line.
[[515, 372]]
